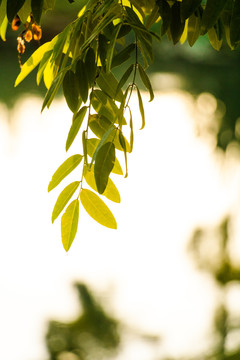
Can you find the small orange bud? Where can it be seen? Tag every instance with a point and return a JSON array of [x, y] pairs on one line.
[[21, 45], [16, 23], [28, 36], [37, 32]]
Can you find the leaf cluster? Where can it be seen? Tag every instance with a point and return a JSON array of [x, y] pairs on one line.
[[82, 59]]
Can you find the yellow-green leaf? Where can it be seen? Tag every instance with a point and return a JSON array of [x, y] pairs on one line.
[[69, 224], [63, 199], [34, 60], [68, 166], [77, 122], [111, 192], [146, 81], [141, 108], [97, 209]]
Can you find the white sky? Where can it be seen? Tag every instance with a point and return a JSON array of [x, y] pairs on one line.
[[175, 183]]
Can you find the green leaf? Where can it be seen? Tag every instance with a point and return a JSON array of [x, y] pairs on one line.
[[91, 147], [111, 192], [111, 47], [48, 5], [69, 224], [42, 65], [53, 89], [32, 62], [146, 81], [25, 11], [103, 140], [71, 91], [123, 55], [13, 6], [104, 163], [76, 124], [84, 144], [188, 7], [194, 28], [64, 198], [91, 66], [125, 77], [234, 25], [165, 13], [100, 125], [211, 14], [131, 131], [97, 209], [215, 36], [66, 168], [141, 108], [37, 8], [177, 26], [123, 145], [104, 105], [109, 84], [81, 73]]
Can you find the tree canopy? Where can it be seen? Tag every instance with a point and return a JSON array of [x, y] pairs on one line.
[[106, 34]]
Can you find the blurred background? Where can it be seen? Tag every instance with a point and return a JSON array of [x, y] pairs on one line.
[[166, 284]]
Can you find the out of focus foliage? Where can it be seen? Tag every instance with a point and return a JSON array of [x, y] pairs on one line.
[[93, 335]]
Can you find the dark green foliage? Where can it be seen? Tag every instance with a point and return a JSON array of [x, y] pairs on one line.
[[37, 8], [13, 6]]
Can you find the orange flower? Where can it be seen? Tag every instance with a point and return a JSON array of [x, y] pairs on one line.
[[37, 32], [28, 36], [16, 23]]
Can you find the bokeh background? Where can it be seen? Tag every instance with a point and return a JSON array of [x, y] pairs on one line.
[[166, 284]]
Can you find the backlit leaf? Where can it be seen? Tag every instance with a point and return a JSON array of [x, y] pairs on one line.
[[32, 62], [77, 122], [104, 163], [53, 89], [64, 198], [66, 168], [109, 85], [97, 209], [69, 224], [111, 192], [141, 108]]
